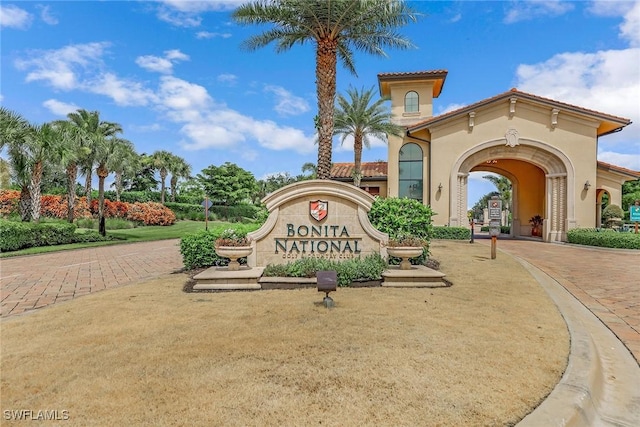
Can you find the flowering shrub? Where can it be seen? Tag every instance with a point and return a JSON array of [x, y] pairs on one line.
[[8, 201], [151, 213], [111, 209], [231, 237]]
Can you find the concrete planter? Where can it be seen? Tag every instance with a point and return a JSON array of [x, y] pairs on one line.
[[233, 253], [404, 252]]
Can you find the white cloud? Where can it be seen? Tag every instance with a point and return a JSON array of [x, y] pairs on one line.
[[59, 108], [123, 92], [230, 79], [348, 143], [185, 13], [527, 10], [287, 104], [59, 68], [610, 8], [629, 161], [182, 96], [46, 16], [210, 35], [606, 81], [161, 65], [630, 28], [449, 108], [13, 17]]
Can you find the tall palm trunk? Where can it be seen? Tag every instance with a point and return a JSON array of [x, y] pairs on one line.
[[25, 204], [102, 172], [326, 60], [174, 184], [34, 189], [72, 175], [163, 177], [118, 182], [357, 149], [87, 186]]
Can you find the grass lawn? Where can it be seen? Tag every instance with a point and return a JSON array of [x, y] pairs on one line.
[[485, 351], [138, 234]]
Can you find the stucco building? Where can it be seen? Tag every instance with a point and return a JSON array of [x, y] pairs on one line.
[[546, 148]]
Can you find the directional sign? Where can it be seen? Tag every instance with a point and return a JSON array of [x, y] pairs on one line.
[[495, 208], [634, 213]]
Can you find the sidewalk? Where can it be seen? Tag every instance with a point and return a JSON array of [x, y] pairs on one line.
[[36, 281]]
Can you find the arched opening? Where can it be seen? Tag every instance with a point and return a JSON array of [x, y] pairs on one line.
[[540, 174], [603, 198]]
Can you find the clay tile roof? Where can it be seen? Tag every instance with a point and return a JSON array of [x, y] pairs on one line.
[[427, 73], [619, 169], [368, 169], [515, 92]]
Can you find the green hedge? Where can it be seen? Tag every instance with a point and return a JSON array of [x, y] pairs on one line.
[[367, 268], [503, 229], [197, 249], [20, 235], [603, 238], [451, 233]]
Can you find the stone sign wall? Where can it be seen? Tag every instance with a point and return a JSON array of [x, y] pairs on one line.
[[317, 218]]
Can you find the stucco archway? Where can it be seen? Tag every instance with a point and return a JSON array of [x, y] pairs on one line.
[[559, 175]]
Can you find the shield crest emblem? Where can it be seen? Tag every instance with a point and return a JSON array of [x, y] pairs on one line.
[[318, 209]]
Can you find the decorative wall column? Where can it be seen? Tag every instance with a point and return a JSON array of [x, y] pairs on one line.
[[462, 198], [556, 207]]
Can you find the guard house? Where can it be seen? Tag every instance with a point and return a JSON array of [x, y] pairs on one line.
[[546, 148]]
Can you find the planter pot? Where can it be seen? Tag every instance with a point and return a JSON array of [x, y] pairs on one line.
[[536, 231], [405, 252], [233, 253]]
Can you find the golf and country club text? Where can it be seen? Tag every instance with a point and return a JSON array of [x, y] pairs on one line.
[[317, 241]]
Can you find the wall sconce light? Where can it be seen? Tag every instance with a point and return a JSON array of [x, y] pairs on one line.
[[587, 185], [440, 187]]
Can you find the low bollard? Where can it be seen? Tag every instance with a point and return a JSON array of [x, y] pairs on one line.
[[327, 282]]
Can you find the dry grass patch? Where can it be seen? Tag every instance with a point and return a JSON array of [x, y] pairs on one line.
[[485, 351]]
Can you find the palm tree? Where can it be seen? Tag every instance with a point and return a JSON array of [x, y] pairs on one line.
[[335, 27], [161, 160], [93, 132], [179, 168], [109, 152], [5, 174], [72, 150], [44, 142], [14, 132], [126, 164], [311, 169], [355, 117]]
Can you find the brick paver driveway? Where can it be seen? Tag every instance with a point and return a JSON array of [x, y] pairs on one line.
[[606, 281], [31, 282]]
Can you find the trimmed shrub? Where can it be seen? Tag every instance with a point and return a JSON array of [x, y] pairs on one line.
[[198, 250], [20, 235], [368, 268], [403, 216], [503, 229], [187, 211], [451, 233], [236, 213], [603, 238]]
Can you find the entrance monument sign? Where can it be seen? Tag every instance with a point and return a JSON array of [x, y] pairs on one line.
[[316, 219]]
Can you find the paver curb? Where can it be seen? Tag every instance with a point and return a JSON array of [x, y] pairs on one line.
[[600, 384]]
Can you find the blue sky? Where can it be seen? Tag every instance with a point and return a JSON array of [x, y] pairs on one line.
[[173, 74]]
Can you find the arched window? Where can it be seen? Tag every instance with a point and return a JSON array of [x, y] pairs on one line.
[[410, 166], [411, 102]]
